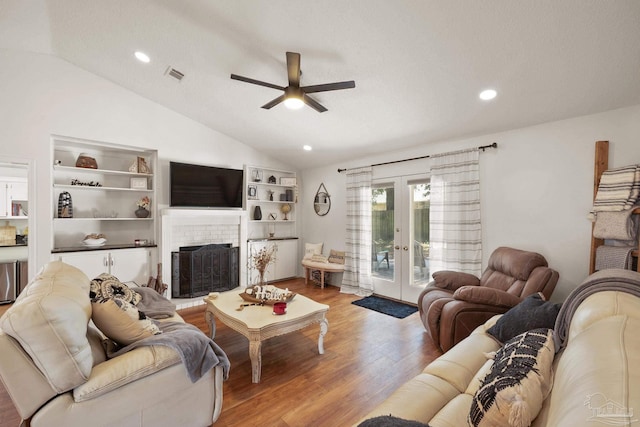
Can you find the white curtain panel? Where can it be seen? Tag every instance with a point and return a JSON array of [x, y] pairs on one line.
[[357, 269], [455, 233]]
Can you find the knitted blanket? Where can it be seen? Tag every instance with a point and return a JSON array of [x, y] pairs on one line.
[[198, 353], [154, 305], [607, 280], [618, 190], [621, 225], [608, 257]]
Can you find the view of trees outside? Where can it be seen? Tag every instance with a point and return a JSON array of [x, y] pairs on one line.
[[382, 203]]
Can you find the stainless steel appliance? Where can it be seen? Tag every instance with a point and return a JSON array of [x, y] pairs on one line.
[[8, 281]]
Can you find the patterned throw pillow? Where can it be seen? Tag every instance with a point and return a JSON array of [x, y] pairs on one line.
[[319, 258], [336, 257], [108, 286], [311, 249], [121, 321], [519, 380]]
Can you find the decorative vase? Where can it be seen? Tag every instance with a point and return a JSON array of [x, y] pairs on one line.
[[257, 213], [142, 213]]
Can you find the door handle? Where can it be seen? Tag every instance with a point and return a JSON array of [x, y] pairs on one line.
[[396, 247], [406, 248]]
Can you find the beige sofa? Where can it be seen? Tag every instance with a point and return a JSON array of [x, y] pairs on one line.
[[596, 374], [55, 369]]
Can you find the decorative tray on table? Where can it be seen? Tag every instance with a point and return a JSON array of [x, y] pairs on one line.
[[267, 294]]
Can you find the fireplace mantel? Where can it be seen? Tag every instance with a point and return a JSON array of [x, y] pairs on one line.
[[180, 226]]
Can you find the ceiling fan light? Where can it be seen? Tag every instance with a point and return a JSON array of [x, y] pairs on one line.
[[293, 103]]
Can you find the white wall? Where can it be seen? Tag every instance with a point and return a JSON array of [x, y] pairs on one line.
[[536, 188], [43, 95]]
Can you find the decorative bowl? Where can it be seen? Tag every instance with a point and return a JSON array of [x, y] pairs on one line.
[[267, 294], [94, 239]]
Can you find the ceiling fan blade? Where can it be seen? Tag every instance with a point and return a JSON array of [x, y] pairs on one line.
[[329, 86], [255, 82], [293, 68], [274, 102], [313, 103]]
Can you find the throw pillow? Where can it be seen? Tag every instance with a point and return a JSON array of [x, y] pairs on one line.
[[121, 321], [336, 257], [390, 421], [311, 249], [108, 286], [532, 313], [518, 382], [319, 258]]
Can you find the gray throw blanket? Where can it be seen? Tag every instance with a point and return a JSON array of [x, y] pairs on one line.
[[606, 280], [609, 257], [154, 305], [198, 353]]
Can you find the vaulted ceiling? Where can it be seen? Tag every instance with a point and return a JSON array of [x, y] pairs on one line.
[[418, 65]]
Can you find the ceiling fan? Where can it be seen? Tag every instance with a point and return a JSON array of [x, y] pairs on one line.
[[295, 96]]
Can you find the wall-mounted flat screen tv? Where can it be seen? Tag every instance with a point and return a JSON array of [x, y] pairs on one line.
[[205, 186]]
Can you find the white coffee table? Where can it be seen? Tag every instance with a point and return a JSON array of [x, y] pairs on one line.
[[258, 323]]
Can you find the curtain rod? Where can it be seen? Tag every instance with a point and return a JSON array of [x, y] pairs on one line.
[[482, 147]]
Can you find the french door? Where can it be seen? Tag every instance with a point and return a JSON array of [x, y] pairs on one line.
[[400, 236]]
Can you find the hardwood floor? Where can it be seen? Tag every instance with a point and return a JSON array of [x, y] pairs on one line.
[[367, 356]]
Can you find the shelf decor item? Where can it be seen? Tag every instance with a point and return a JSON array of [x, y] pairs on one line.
[[257, 175], [143, 167], [285, 209], [86, 161], [65, 205], [252, 192], [288, 181], [139, 183], [257, 213], [143, 207]]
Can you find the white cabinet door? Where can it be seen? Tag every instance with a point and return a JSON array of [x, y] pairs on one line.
[[128, 265], [132, 265], [18, 191], [4, 199], [91, 263], [286, 259], [253, 276]]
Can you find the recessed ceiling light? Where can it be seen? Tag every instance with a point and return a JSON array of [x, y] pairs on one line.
[[488, 94], [142, 57], [307, 148]]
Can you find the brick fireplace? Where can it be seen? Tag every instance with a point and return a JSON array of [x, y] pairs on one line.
[[192, 227]]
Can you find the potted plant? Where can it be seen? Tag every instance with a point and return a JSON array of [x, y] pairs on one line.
[[261, 259], [143, 207]]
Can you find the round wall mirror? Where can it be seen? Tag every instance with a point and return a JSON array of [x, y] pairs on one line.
[[322, 201]]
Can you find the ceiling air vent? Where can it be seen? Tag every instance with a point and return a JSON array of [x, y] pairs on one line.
[[175, 73]]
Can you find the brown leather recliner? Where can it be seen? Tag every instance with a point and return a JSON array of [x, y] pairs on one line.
[[455, 303]]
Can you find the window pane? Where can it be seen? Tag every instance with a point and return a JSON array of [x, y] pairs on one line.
[[420, 197], [382, 218]]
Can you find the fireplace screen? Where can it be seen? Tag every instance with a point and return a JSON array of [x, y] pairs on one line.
[[198, 270]]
